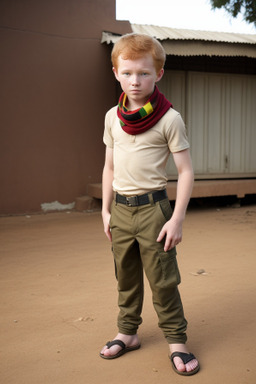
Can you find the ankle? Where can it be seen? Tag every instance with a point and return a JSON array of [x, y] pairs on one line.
[[127, 339], [178, 348]]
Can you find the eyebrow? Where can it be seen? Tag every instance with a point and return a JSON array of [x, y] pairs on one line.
[[139, 70]]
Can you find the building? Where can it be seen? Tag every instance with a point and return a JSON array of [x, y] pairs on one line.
[[57, 84], [210, 78]]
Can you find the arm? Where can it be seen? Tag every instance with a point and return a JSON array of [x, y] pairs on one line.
[[107, 191], [173, 228]]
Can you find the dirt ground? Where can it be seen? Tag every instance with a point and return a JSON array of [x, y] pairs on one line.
[[58, 301]]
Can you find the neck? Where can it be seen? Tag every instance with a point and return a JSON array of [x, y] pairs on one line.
[[133, 105]]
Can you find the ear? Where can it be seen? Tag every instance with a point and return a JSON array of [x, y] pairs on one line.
[[160, 75], [115, 73]]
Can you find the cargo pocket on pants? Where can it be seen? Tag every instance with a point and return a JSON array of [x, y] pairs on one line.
[[170, 270]]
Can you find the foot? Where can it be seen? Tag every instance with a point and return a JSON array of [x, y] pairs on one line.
[[128, 340], [180, 366]]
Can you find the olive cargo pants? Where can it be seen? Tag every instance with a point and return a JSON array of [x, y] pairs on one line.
[[134, 233]]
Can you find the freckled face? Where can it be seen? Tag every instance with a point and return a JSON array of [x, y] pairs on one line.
[[137, 79]]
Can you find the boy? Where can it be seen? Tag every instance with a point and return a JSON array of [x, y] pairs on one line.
[[139, 134]]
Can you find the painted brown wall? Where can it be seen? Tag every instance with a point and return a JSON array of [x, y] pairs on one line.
[[56, 85]]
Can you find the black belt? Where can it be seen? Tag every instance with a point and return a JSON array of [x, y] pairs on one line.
[[134, 201]]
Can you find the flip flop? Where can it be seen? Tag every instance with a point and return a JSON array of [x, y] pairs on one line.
[[121, 352], [185, 357]]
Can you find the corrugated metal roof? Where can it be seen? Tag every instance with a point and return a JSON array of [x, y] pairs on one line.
[[165, 33], [185, 42], [207, 48]]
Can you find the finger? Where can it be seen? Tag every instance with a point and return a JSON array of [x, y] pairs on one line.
[[167, 244], [108, 233], [160, 236], [109, 236]]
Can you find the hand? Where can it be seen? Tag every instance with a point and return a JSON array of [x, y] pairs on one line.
[[106, 220], [172, 231]]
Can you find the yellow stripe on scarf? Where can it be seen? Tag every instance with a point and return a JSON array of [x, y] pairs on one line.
[[148, 108]]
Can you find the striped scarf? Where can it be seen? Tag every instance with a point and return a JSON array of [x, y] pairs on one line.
[[142, 119]]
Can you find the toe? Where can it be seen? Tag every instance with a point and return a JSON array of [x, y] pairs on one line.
[[111, 351], [103, 350], [191, 365], [179, 364]]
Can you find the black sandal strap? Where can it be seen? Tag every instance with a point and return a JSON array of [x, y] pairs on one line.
[[185, 357], [121, 344]]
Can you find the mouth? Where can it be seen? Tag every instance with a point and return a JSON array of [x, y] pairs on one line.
[[135, 91]]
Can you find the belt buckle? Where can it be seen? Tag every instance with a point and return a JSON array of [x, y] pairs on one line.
[[132, 201]]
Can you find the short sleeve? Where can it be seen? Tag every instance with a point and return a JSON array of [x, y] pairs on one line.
[[176, 135], [109, 121]]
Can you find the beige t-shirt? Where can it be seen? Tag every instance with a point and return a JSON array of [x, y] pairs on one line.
[[140, 160]]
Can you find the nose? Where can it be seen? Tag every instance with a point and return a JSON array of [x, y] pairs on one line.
[[135, 80]]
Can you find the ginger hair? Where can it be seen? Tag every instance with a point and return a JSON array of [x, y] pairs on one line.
[[133, 46]]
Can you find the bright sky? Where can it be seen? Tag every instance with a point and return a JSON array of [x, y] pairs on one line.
[[184, 14]]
